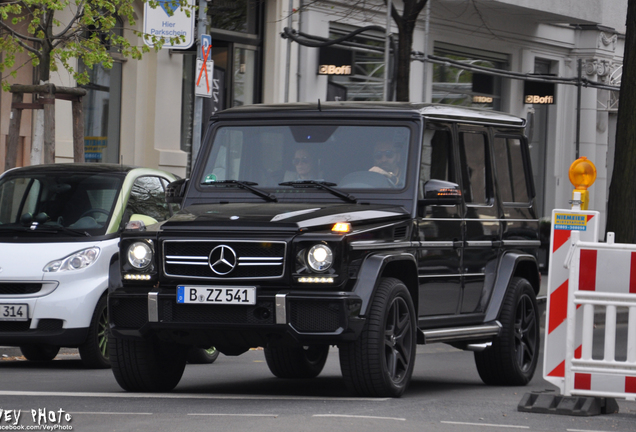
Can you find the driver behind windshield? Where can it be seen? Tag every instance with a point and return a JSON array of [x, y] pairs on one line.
[[387, 158]]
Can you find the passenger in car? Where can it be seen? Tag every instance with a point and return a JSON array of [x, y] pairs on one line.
[[306, 166]]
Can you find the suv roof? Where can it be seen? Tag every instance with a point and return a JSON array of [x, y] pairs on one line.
[[381, 109]]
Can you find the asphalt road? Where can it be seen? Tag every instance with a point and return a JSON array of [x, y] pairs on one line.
[[239, 393]]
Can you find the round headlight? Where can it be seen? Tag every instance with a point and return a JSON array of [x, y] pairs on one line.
[[139, 255], [320, 257]]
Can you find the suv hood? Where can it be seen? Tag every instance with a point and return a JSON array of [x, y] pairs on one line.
[[291, 216]]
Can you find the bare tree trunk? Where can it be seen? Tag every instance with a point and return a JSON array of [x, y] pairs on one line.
[[621, 206], [406, 26], [49, 126], [13, 140], [78, 130]]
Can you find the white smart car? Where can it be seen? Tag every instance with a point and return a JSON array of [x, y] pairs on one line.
[[59, 229]]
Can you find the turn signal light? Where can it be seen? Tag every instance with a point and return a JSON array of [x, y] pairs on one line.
[[341, 227]]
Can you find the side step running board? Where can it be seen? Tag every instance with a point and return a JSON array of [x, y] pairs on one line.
[[462, 333]]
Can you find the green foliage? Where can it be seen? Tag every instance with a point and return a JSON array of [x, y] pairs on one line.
[[57, 32]]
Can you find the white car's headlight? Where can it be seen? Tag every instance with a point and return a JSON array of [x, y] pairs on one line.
[[320, 257], [139, 254], [75, 261]]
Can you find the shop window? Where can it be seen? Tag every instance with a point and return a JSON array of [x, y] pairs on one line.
[[456, 86], [235, 15], [366, 83], [102, 110]]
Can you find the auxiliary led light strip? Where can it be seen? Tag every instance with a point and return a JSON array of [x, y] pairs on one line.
[[137, 277], [321, 279]]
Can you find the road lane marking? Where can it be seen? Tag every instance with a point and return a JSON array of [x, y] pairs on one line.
[[486, 424], [124, 395], [233, 415], [359, 416], [584, 430]]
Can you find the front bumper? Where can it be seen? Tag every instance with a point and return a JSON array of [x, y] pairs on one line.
[[49, 331], [285, 316]]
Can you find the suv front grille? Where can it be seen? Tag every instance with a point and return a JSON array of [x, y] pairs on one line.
[[219, 259]]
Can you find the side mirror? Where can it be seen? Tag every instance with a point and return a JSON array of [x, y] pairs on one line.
[[440, 192], [175, 191]]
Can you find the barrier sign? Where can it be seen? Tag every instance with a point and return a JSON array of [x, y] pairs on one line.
[[570, 221]]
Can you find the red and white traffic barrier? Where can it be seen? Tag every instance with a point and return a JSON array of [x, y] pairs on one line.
[[564, 223], [603, 278]]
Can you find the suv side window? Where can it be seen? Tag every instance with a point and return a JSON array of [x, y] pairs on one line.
[[437, 159], [511, 171], [475, 165]]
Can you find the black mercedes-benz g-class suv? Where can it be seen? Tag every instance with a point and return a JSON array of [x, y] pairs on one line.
[[369, 226]]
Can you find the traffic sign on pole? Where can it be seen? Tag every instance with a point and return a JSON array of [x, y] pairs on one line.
[[206, 41], [169, 20], [203, 82]]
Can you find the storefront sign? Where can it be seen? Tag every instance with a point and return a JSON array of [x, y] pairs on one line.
[[335, 61], [541, 93]]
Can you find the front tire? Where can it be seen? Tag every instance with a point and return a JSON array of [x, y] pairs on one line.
[[146, 365], [94, 352], [296, 362], [39, 352], [380, 363], [512, 358]]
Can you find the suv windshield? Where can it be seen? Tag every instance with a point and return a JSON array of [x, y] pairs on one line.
[[57, 203], [345, 156]]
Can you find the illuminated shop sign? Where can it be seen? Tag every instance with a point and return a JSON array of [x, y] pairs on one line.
[[335, 61], [483, 99], [540, 93], [485, 85]]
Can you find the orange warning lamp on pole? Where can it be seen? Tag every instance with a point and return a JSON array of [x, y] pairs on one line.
[[582, 175]]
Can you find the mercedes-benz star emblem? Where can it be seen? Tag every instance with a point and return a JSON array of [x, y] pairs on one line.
[[222, 260]]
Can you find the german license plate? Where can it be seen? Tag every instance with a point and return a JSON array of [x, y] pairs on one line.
[[14, 312], [216, 295]]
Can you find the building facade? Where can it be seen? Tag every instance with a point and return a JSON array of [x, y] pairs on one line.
[[142, 112]]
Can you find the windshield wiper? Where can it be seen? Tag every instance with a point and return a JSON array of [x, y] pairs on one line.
[[55, 229], [34, 227], [248, 185], [321, 185]]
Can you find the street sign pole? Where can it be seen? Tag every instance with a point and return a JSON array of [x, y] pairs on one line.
[[198, 100]]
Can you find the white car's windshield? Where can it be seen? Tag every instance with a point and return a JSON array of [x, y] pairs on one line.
[[343, 156], [58, 202]]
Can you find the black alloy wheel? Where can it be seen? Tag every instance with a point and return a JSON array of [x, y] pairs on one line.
[[380, 363], [513, 356]]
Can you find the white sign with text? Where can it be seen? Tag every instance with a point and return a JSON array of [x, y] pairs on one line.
[[170, 20]]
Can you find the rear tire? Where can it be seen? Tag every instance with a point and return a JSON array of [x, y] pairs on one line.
[[39, 352], [202, 355], [94, 352], [512, 358], [146, 365], [296, 362], [380, 363]]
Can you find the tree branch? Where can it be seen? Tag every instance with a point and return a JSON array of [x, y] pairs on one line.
[[20, 38], [77, 16]]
